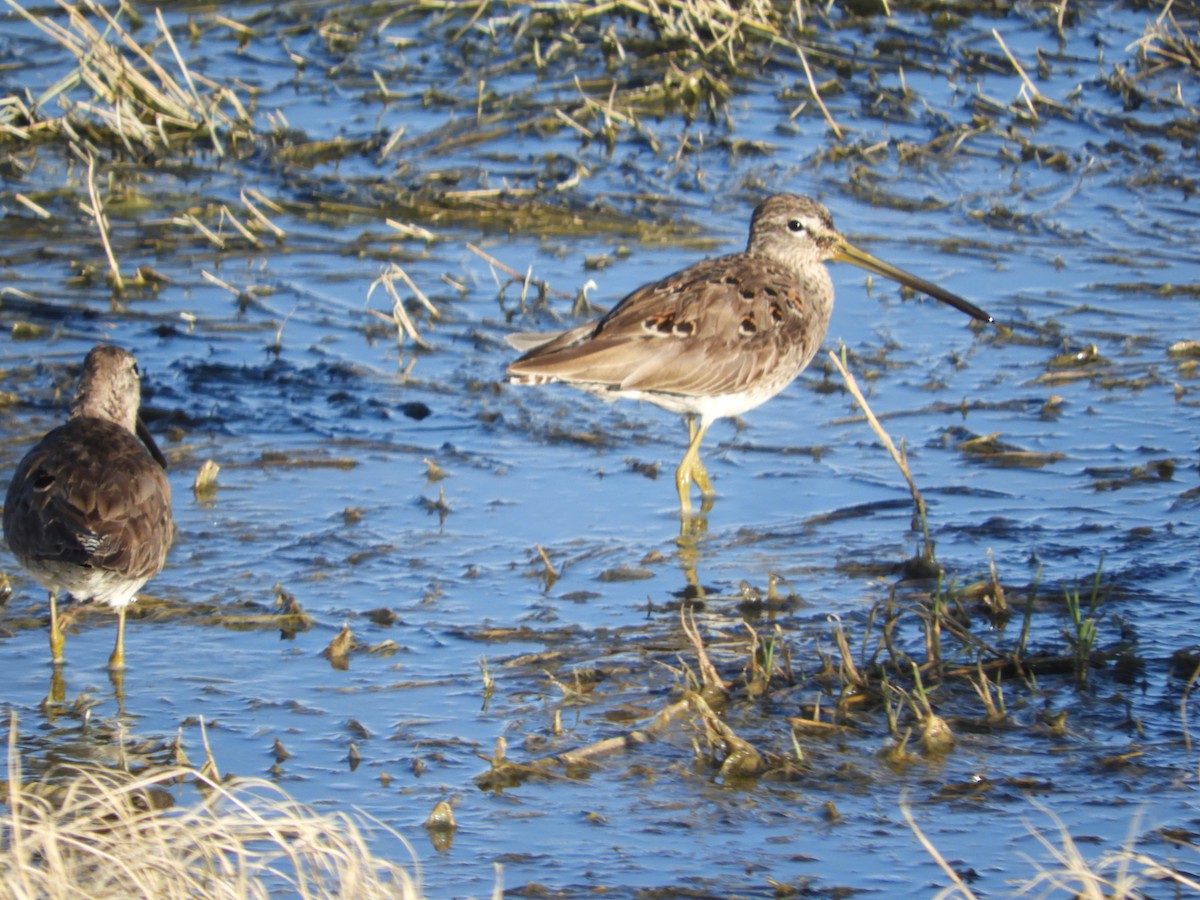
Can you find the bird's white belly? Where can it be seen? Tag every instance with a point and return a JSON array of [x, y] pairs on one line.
[[85, 583], [718, 406]]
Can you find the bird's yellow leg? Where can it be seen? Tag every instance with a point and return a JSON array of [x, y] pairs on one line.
[[699, 472], [56, 635], [691, 469], [116, 662]]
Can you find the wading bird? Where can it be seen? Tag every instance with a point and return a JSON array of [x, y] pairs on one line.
[[721, 336], [88, 511]]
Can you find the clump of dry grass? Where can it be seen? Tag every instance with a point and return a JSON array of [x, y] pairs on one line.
[[1166, 42], [134, 99], [703, 27], [106, 833], [663, 57], [710, 26], [400, 318]]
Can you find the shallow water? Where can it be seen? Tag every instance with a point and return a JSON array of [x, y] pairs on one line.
[[1070, 255]]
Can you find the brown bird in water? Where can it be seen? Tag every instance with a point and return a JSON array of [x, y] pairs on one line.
[[721, 336], [88, 511]]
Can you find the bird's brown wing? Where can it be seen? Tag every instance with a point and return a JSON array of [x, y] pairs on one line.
[[90, 494], [710, 329]]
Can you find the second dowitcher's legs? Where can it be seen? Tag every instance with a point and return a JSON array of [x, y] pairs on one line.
[[56, 635], [116, 662]]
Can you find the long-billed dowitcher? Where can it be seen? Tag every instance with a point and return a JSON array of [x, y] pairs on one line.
[[719, 337], [88, 511]]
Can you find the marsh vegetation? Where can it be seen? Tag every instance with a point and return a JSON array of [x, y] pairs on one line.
[[405, 589]]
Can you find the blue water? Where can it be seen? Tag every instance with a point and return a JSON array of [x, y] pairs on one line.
[[1067, 256]]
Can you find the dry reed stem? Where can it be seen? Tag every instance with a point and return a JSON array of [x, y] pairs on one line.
[[709, 677], [258, 215], [1031, 92], [194, 95], [741, 757], [691, 702], [227, 215], [999, 601], [1183, 709], [549, 574], [849, 671], [214, 280], [959, 885], [983, 687], [189, 220], [545, 766], [726, 20], [37, 209], [417, 292], [413, 231], [489, 682], [527, 279], [812, 86], [399, 317], [1155, 870], [96, 211], [897, 455], [1061, 16], [563, 117], [608, 110], [757, 672], [1074, 874], [209, 768]]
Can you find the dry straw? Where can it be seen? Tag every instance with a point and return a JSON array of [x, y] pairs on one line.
[[133, 96], [897, 454], [105, 833]]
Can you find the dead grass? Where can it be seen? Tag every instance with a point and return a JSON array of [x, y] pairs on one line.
[[119, 89], [705, 27], [1166, 41], [1125, 873], [106, 833]]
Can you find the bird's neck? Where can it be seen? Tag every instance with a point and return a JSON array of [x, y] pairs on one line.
[[108, 408]]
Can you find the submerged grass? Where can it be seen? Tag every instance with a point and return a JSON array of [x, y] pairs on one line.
[[921, 666], [881, 686]]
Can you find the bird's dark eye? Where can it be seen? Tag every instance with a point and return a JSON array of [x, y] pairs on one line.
[[795, 225], [137, 370]]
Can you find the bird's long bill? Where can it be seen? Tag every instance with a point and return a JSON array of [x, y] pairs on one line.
[[148, 439], [847, 252]]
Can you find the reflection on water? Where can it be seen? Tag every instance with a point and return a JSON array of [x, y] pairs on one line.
[[327, 435]]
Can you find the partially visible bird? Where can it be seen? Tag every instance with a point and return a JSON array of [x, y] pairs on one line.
[[88, 511], [721, 336]]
